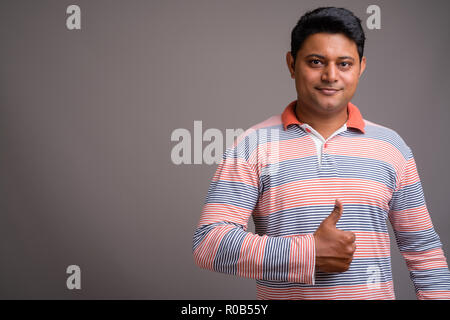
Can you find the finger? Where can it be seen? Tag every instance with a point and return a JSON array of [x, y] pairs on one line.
[[336, 214], [350, 236]]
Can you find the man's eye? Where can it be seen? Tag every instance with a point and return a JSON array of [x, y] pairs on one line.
[[345, 64], [315, 62]]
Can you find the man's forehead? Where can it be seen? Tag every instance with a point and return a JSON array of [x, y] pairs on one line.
[[329, 44]]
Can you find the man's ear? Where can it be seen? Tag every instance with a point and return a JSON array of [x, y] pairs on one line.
[[290, 64], [363, 66]]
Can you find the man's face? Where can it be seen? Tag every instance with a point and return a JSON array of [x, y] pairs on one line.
[[326, 72]]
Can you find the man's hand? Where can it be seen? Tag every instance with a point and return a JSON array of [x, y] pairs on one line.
[[334, 247]]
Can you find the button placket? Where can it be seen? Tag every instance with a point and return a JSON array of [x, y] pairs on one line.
[[322, 145]]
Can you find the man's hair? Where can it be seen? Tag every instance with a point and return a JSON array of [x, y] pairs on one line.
[[328, 20]]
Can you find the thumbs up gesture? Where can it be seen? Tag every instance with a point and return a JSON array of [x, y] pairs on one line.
[[334, 247]]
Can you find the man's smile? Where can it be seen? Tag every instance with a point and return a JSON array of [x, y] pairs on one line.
[[328, 91]]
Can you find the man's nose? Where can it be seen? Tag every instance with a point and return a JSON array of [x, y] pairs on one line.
[[329, 73]]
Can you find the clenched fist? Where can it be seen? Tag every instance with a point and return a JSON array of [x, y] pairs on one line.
[[334, 247]]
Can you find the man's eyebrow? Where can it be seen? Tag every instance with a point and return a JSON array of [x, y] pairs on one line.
[[346, 57], [315, 55]]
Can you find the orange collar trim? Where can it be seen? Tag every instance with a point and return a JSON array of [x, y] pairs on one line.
[[355, 119]]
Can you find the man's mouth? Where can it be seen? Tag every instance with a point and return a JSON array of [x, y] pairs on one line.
[[328, 91]]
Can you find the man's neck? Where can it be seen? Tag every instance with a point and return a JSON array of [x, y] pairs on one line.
[[325, 125]]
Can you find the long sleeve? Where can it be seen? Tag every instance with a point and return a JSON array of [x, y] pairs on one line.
[[221, 242], [416, 238]]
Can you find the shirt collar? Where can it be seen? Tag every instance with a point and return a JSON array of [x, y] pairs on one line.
[[355, 119]]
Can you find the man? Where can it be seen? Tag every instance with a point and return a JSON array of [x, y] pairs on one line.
[[321, 182]]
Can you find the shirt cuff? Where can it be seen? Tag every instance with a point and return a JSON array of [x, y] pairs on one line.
[[302, 262]]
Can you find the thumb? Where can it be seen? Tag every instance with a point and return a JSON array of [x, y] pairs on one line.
[[336, 214]]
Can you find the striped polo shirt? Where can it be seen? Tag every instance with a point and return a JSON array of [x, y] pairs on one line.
[[283, 174]]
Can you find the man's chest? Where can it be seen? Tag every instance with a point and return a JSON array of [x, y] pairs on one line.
[[300, 192]]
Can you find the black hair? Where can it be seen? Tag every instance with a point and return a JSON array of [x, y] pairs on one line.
[[328, 20]]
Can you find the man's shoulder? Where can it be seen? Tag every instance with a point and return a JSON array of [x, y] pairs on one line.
[[382, 131], [273, 122], [262, 130], [388, 135]]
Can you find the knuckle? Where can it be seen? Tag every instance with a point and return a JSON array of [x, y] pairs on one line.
[[350, 250], [350, 237]]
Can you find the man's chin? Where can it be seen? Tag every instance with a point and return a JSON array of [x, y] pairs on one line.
[[327, 105], [331, 106]]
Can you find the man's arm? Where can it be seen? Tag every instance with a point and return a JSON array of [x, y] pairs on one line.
[[221, 242], [416, 238]]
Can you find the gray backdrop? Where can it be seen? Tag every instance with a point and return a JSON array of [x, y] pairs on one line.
[[86, 118]]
